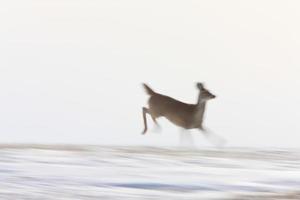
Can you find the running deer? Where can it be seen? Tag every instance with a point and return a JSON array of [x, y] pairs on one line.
[[186, 116]]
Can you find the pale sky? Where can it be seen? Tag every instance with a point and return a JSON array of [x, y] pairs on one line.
[[71, 70]]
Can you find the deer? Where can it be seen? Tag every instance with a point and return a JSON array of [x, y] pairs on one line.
[[184, 115]]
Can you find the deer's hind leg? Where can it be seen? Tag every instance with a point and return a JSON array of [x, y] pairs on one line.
[[145, 111], [148, 111]]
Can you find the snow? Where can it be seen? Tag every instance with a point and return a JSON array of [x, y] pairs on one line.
[[133, 173]]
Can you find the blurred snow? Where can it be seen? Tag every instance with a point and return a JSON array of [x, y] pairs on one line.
[[133, 173]]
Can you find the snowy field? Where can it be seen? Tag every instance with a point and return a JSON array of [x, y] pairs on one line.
[[35, 172]]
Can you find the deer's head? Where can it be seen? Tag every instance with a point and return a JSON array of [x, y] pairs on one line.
[[205, 94]]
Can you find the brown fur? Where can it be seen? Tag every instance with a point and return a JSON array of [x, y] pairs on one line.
[[187, 116]]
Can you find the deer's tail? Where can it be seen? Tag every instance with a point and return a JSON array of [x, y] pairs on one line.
[[148, 90]]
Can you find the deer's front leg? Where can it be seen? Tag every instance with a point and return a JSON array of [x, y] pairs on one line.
[[215, 139], [186, 139]]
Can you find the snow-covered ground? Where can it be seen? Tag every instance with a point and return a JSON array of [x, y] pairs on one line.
[[136, 173]]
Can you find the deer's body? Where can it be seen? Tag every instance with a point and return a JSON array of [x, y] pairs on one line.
[[179, 113], [187, 116]]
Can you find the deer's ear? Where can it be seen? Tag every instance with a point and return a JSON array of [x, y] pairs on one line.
[[200, 86]]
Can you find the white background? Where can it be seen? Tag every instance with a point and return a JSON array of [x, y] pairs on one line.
[[71, 70]]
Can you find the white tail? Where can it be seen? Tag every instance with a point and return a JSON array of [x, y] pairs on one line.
[[187, 116]]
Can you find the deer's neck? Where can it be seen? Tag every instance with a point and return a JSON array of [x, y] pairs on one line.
[[199, 98], [199, 113], [200, 107]]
